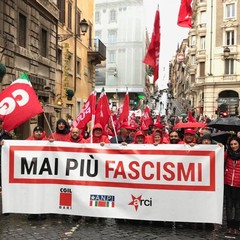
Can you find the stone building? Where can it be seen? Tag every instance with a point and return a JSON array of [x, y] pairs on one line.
[[28, 31], [210, 67]]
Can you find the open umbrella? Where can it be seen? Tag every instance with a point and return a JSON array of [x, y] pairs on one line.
[[221, 137], [189, 125], [226, 124]]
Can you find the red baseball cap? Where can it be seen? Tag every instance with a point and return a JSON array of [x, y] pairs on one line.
[[189, 131]]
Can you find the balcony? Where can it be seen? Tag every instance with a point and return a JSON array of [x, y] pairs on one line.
[[97, 53]]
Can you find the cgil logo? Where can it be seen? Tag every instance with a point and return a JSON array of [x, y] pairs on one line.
[[139, 201], [65, 198], [8, 104]]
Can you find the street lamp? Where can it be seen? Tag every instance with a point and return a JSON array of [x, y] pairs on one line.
[[83, 29], [227, 52]]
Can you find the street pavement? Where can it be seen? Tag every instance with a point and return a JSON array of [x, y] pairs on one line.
[[63, 227]]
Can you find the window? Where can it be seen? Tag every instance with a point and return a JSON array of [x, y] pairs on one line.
[[61, 7], [43, 43], [192, 77], [202, 43], [193, 59], [193, 41], [22, 33], [230, 38], [230, 10], [229, 66], [203, 18], [112, 17], [79, 66], [112, 56], [69, 15], [97, 17], [202, 69], [59, 56], [112, 36]]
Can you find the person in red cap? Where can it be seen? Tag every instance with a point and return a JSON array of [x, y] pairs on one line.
[[123, 137], [97, 135], [189, 136], [139, 137]]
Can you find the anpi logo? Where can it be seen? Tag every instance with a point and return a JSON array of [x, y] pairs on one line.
[[139, 201], [65, 198], [8, 104]]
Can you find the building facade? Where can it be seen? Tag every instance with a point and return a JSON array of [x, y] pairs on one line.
[[120, 26], [78, 53], [28, 43], [210, 70]]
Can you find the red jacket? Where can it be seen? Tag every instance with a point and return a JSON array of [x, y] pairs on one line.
[[95, 139], [59, 137], [232, 172]]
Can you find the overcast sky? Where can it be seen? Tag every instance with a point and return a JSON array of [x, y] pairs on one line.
[[171, 33]]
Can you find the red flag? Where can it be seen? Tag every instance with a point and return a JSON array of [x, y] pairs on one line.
[[147, 118], [86, 113], [152, 56], [158, 120], [123, 117], [103, 112], [190, 117], [185, 14], [18, 103]]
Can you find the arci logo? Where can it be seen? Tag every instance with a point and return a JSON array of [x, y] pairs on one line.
[[8, 104], [65, 198], [140, 202]]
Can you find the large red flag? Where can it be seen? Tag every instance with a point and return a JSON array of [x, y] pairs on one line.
[[123, 117], [18, 103], [103, 112], [185, 14], [87, 112], [152, 56]]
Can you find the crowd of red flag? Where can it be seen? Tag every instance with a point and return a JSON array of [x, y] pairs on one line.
[[19, 101]]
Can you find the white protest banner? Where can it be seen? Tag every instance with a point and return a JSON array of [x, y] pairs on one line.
[[166, 182]]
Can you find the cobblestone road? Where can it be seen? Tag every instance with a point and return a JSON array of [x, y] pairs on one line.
[[63, 227]]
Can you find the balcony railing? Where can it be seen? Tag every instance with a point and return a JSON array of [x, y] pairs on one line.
[[97, 53]]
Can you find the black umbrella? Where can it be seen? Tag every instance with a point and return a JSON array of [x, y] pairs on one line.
[[226, 124], [221, 137]]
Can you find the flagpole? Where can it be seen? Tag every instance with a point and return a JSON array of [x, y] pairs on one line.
[[114, 129], [92, 125], [48, 125]]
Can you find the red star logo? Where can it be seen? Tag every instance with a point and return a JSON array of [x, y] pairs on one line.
[[135, 201]]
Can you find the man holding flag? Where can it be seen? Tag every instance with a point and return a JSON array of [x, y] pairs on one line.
[[18, 103]]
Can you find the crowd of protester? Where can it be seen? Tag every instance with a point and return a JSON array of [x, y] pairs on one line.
[[157, 133]]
